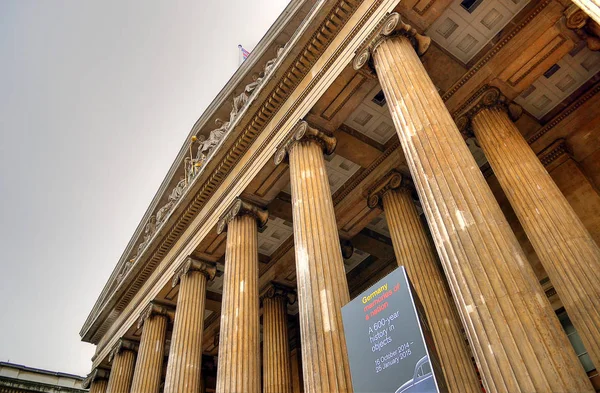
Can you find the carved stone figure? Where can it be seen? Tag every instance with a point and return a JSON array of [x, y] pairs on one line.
[[240, 100], [149, 230], [174, 196], [215, 136], [269, 65]]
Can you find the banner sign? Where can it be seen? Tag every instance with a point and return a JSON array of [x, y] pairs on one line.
[[390, 346]]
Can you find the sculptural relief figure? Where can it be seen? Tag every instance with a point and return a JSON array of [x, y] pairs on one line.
[[271, 63], [240, 100], [174, 196], [125, 269], [215, 136], [149, 230]]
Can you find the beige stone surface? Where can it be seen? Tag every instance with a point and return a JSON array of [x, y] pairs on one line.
[[516, 338], [566, 250]]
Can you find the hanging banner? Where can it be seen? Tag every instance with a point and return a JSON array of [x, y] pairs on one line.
[[390, 346]]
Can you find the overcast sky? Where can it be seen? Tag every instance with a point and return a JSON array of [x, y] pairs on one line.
[[96, 99]]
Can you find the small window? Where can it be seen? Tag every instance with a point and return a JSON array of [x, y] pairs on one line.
[[379, 98], [551, 71], [470, 5]]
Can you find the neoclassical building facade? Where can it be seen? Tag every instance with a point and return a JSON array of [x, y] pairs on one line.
[[460, 139]]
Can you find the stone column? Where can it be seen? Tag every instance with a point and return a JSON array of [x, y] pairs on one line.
[[148, 367], [185, 355], [566, 250], [277, 376], [516, 338], [415, 253], [96, 381], [576, 186], [239, 344], [122, 358], [322, 285], [99, 386]]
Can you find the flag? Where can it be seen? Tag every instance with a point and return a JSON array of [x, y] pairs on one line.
[[244, 52]]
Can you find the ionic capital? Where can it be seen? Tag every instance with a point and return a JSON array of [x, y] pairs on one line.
[[96, 374], [585, 27], [393, 180], [487, 97], [390, 26], [122, 345], [154, 309], [277, 290], [195, 265], [240, 207], [303, 131]]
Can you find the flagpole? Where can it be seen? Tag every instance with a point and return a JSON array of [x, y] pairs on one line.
[[240, 56]]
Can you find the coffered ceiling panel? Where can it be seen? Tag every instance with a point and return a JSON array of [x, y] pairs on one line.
[[339, 170], [273, 235], [468, 25], [372, 118], [560, 81]]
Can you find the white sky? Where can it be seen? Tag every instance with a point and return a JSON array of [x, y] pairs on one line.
[[96, 98]]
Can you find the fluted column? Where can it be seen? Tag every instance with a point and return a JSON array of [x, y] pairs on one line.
[[566, 250], [185, 355], [277, 376], [148, 367], [322, 285], [415, 253], [99, 386], [96, 381], [239, 343], [122, 358], [516, 338]]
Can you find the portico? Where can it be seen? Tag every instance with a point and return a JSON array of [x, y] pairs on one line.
[[362, 123]]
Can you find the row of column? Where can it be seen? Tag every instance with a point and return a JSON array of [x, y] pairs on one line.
[[515, 336], [138, 368]]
